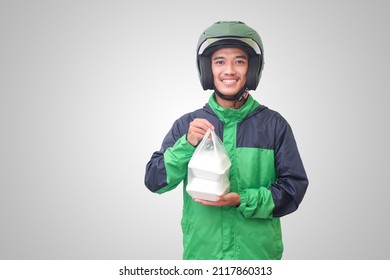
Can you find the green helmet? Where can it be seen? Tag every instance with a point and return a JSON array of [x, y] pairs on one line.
[[228, 34]]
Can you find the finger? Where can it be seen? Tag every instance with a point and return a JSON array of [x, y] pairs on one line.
[[203, 124], [197, 130]]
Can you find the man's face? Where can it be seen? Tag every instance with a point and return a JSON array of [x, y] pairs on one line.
[[229, 67]]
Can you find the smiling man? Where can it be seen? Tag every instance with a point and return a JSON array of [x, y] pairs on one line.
[[267, 177]]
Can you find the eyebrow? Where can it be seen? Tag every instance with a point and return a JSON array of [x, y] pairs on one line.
[[238, 56]]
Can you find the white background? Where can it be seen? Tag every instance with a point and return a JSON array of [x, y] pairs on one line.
[[89, 89]]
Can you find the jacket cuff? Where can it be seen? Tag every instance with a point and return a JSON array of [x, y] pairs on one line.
[[256, 203], [243, 202]]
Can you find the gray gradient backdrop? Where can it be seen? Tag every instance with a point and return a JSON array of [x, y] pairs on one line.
[[90, 88]]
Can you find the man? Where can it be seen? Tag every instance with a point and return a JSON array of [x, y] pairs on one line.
[[267, 177]]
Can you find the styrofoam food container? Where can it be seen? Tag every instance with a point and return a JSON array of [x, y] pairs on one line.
[[208, 189], [208, 170]]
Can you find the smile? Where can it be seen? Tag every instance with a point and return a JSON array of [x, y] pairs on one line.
[[229, 81]]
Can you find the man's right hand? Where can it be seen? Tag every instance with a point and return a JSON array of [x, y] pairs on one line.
[[197, 130]]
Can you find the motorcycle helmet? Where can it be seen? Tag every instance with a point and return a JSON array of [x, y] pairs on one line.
[[230, 34]]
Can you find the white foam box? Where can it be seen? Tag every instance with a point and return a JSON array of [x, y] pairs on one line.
[[208, 189], [208, 175]]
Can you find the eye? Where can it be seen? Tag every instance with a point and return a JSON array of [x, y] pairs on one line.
[[240, 61], [219, 62]]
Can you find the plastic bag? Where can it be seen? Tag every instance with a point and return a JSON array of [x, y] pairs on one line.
[[208, 169]]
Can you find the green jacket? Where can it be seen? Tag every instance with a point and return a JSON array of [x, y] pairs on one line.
[[266, 171]]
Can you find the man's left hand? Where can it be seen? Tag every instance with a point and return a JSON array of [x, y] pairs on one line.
[[230, 199]]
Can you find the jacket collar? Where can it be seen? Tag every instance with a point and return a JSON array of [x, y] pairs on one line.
[[233, 115]]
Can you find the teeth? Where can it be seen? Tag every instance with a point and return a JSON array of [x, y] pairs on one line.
[[229, 81]]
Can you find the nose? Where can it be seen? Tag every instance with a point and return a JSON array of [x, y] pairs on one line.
[[230, 68]]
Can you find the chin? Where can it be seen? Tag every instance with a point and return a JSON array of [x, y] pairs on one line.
[[229, 92]]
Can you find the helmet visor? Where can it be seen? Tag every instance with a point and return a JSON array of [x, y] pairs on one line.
[[248, 41]]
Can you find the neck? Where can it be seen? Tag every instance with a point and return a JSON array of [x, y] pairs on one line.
[[234, 104]]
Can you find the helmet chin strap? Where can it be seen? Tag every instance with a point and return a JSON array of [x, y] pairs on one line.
[[242, 93]]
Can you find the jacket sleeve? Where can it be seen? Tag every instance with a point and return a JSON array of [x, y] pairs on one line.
[[284, 195], [168, 166], [291, 184]]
